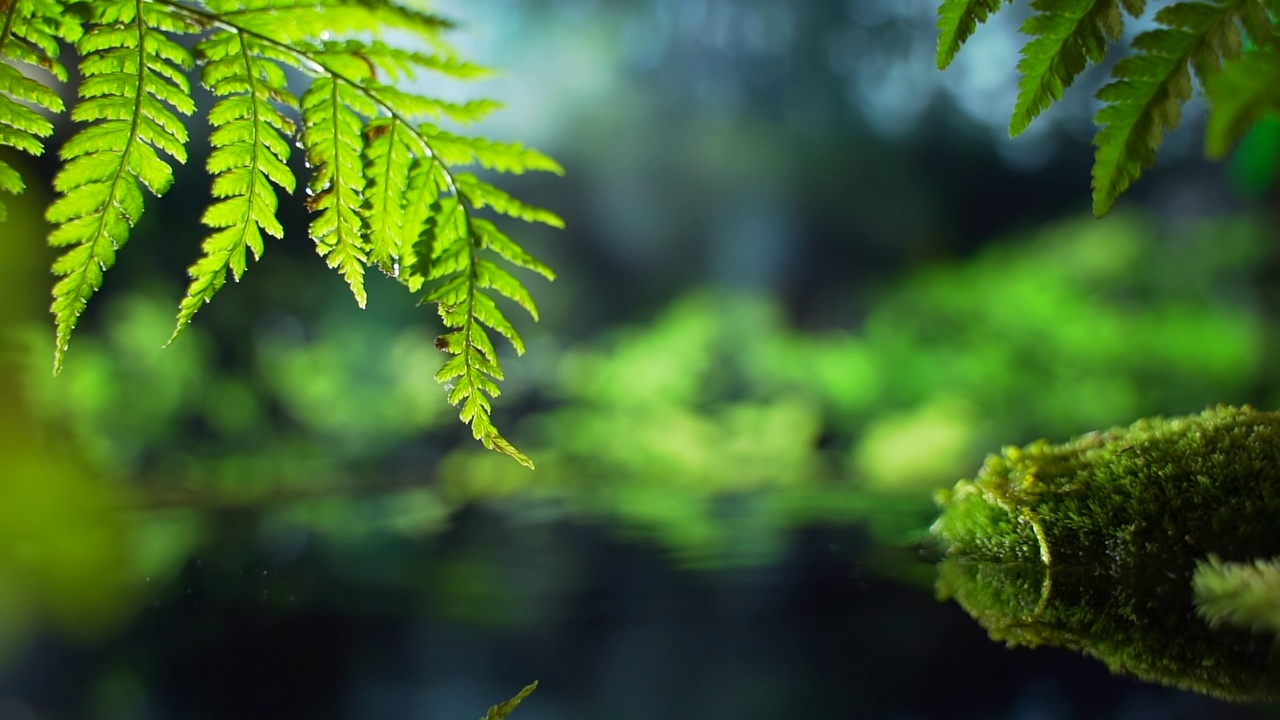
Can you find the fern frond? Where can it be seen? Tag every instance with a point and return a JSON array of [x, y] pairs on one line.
[[251, 151], [473, 371], [333, 138], [1145, 100], [30, 35], [957, 19], [1247, 87], [131, 71], [1069, 34], [383, 185]]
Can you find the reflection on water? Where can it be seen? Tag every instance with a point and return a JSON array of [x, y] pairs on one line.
[[392, 627], [1092, 545]]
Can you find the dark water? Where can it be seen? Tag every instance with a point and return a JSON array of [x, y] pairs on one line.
[[256, 626]]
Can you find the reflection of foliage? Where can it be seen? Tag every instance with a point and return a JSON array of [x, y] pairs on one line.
[[386, 186], [1091, 545], [1144, 101]]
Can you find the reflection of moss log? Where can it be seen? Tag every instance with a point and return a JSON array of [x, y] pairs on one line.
[[1092, 544]]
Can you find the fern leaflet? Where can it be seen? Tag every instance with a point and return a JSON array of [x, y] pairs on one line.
[[1068, 35], [30, 35], [957, 19], [131, 71], [1145, 100], [332, 135], [1246, 88], [250, 153], [454, 240]]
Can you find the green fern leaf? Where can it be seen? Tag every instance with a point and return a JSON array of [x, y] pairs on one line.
[[481, 194], [425, 25], [1069, 34], [332, 136], [957, 19], [1145, 100], [30, 35], [388, 156], [513, 158], [131, 70], [473, 371], [1247, 87], [250, 153], [296, 22], [33, 29], [490, 237], [383, 185], [418, 107], [406, 164], [420, 201]]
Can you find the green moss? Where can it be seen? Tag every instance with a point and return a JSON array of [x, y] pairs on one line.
[[1092, 545]]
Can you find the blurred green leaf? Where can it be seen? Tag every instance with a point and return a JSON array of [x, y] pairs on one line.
[[503, 709]]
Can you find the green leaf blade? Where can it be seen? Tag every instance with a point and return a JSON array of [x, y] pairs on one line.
[[957, 21], [127, 74], [1068, 36], [250, 155], [332, 137], [1145, 99]]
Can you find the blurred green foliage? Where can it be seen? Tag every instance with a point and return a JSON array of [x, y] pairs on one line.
[[67, 556], [714, 430], [1080, 325], [1252, 168]]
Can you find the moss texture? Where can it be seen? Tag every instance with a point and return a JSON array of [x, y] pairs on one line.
[[1092, 545]]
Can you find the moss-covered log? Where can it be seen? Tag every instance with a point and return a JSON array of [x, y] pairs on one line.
[[1092, 545]]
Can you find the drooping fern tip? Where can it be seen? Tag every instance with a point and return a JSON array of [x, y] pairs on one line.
[[387, 187], [1143, 102]]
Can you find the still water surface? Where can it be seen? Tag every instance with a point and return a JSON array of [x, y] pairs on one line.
[[261, 622]]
